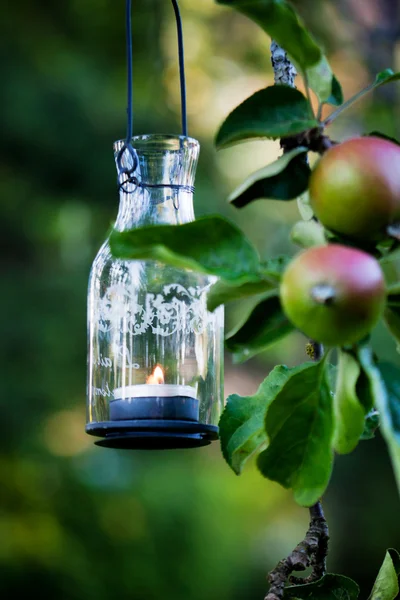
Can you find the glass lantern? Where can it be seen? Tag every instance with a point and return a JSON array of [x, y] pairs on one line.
[[155, 354]]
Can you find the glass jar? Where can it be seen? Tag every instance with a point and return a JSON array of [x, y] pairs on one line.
[[155, 354]]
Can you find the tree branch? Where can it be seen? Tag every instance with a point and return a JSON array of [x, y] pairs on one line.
[[313, 550], [284, 71], [285, 74]]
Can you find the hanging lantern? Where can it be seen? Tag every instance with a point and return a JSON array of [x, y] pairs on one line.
[[155, 354]]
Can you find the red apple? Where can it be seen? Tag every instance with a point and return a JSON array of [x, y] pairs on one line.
[[355, 188], [334, 294]]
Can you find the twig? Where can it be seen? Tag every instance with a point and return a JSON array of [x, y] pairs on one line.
[[284, 71], [285, 74], [311, 552]]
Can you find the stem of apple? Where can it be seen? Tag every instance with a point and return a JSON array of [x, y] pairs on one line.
[[346, 105], [323, 294]]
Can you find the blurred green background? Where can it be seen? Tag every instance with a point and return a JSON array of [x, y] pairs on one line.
[[77, 521]]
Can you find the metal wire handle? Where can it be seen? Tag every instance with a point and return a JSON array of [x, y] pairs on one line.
[[129, 133]]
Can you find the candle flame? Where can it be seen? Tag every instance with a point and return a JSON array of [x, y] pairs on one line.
[[157, 376]]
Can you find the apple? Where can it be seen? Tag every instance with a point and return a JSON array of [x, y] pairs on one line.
[[355, 188], [333, 294]]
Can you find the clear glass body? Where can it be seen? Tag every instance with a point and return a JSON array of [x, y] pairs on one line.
[[154, 351]]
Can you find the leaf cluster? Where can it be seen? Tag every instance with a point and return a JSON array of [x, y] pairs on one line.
[[339, 587], [299, 417]]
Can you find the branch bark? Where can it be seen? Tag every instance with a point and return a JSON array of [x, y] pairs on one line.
[[284, 72], [310, 552], [313, 549]]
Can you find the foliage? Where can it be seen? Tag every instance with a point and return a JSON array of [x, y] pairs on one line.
[[385, 388], [276, 112], [242, 422], [291, 405], [281, 111], [338, 587], [192, 246], [330, 587], [349, 409], [386, 586], [265, 325], [284, 179], [299, 426], [281, 22], [299, 416]]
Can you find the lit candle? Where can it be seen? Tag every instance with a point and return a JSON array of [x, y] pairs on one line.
[[155, 400]]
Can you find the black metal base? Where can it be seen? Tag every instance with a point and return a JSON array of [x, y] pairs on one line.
[[152, 434]]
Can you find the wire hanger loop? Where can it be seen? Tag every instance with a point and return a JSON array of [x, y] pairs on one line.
[[126, 174]]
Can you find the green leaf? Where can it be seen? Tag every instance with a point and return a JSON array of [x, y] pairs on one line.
[[210, 245], [371, 425], [386, 76], [336, 97], [329, 587], [280, 21], [304, 206], [331, 371], [349, 413], [241, 426], [393, 294], [274, 112], [275, 267], [307, 234], [386, 586], [266, 325], [284, 179], [390, 250], [384, 136], [364, 387], [269, 277], [223, 292], [385, 383], [299, 426], [320, 79], [391, 317]]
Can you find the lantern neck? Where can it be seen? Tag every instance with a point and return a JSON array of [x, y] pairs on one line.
[[160, 191]]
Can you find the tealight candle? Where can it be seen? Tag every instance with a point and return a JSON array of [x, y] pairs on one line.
[[155, 400]]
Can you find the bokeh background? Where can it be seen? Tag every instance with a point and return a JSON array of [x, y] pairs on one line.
[[81, 522]]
